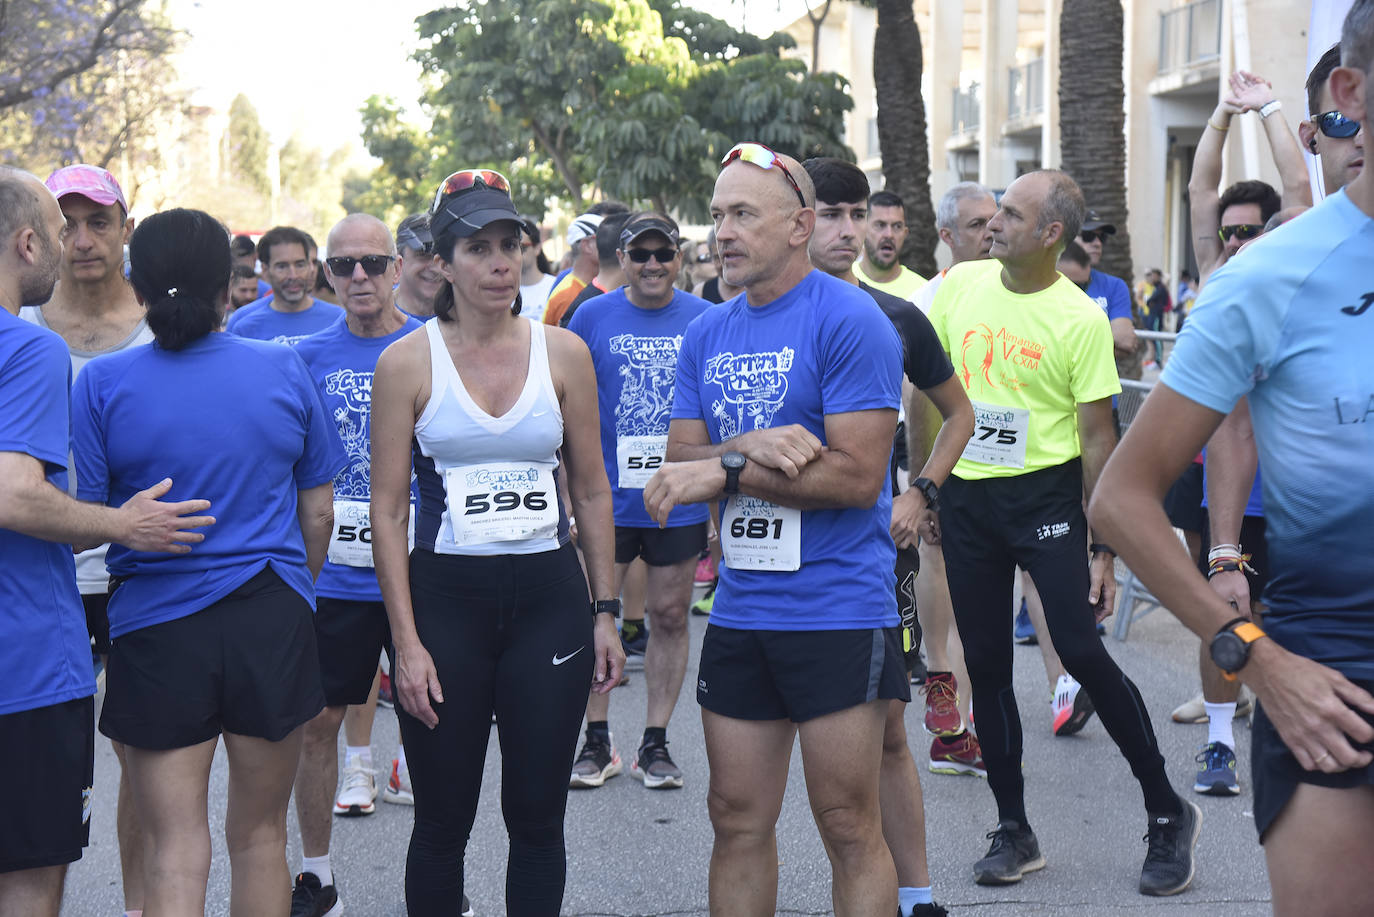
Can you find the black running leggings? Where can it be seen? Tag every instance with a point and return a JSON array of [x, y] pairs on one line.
[[510, 634], [1035, 520]]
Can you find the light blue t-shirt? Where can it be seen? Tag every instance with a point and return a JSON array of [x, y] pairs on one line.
[[230, 420], [45, 651], [635, 354], [259, 321], [823, 347], [1287, 323], [341, 363]]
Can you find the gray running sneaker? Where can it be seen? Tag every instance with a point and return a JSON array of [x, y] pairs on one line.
[[597, 763], [1013, 853], [653, 766]]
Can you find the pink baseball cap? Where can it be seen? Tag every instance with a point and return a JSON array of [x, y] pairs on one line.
[[90, 182]]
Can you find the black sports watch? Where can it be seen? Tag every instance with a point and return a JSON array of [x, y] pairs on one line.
[[733, 463], [931, 492], [606, 607], [1230, 648]]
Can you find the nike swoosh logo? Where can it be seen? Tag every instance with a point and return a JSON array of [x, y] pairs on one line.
[[559, 660], [539, 413]]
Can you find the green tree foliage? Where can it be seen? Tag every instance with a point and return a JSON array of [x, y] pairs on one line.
[[249, 145], [633, 99]]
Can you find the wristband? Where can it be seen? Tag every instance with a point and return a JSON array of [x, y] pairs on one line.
[[1224, 551], [1217, 127], [1268, 108], [1098, 548], [606, 607]]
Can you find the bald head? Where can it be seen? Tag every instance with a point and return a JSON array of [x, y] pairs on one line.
[[361, 225], [31, 236], [761, 228]]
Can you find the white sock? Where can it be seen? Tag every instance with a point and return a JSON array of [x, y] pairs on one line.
[[320, 867], [1219, 729], [360, 753], [908, 897]]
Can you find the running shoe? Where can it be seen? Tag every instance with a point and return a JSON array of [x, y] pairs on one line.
[[1072, 706], [597, 763], [384, 696], [928, 910], [655, 768], [1013, 853], [702, 606], [942, 705], [358, 792], [310, 899], [1168, 867], [398, 789], [1216, 771], [1193, 710], [706, 571], [634, 649], [962, 756], [467, 910], [1024, 632]]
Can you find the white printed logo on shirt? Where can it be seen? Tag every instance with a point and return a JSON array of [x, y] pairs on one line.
[[645, 406], [754, 386]]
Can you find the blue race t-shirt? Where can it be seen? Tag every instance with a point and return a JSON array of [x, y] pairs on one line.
[[1287, 324], [635, 354], [45, 651], [264, 289], [1110, 293], [341, 363], [824, 347], [229, 420], [259, 321]]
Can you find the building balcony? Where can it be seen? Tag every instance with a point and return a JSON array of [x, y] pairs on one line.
[[1189, 46], [965, 114], [1025, 97]]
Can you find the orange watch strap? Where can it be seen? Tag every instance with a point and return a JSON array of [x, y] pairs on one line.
[[1249, 631]]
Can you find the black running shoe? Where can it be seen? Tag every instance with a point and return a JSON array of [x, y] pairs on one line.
[[1013, 853], [926, 910], [310, 899], [1168, 867]]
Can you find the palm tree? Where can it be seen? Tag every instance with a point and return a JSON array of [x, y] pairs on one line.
[[897, 65], [1092, 116]]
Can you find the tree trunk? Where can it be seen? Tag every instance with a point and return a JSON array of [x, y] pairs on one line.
[[902, 127], [1092, 117]]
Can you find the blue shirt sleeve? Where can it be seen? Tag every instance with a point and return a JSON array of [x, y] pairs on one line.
[[34, 381], [1118, 299], [323, 456], [862, 354], [1229, 341], [92, 464]]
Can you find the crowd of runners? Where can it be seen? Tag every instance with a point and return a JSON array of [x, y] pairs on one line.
[[263, 487]]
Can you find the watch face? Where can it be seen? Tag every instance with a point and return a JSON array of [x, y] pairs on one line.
[[1229, 652], [732, 461]]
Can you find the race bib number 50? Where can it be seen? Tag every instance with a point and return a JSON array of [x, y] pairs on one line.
[[502, 501], [999, 435], [350, 544], [758, 535]]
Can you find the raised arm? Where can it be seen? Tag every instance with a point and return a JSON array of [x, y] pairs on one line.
[[1253, 93], [1203, 193]]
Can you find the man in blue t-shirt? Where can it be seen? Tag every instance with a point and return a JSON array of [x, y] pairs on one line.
[[291, 314], [1287, 326], [1111, 293], [781, 394], [46, 698], [351, 625], [634, 333]]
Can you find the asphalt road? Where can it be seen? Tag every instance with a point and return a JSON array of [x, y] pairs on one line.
[[633, 851]]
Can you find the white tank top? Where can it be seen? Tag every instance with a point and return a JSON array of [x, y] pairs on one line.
[[488, 485]]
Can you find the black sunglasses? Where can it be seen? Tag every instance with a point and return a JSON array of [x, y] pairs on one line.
[[1241, 231], [373, 265], [1334, 124], [1092, 235], [642, 255]]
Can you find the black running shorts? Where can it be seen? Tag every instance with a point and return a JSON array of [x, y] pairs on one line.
[[246, 665], [97, 605], [659, 547], [350, 636], [1183, 502], [1277, 773], [47, 762], [798, 675]]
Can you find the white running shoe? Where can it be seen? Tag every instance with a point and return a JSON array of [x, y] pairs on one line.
[[358, 793], [398, 789], [1072, 706]]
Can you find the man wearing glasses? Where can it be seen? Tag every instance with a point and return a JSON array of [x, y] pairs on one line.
[[633, 333], [1337, 141], [780, 396], [1112, 294], [420, 279], [1222, 224]]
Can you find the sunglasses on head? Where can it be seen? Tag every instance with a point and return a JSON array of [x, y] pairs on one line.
[[1241, 231], [761, 156], [642, 255], [1334, 124], [465, 179], [373, 265], [1092, 235]]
